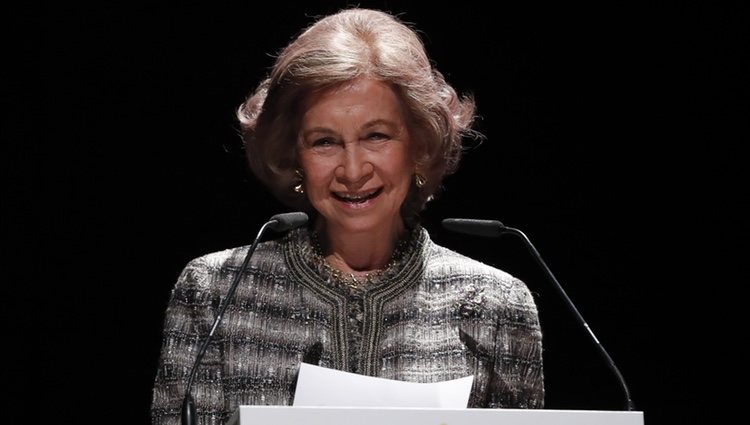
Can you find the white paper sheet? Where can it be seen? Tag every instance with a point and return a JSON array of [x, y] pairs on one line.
[[319, 386]]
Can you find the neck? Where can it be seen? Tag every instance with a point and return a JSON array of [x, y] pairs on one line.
[[359, 253]]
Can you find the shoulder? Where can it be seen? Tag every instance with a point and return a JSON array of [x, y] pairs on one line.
[[200, 271], [445, 261], [456, 269]]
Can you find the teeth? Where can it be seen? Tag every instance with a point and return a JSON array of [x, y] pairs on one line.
[[356, 197]]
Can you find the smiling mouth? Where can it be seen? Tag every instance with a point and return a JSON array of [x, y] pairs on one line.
[[357, 198]]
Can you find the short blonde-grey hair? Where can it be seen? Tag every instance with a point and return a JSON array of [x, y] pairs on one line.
[[337, 49]]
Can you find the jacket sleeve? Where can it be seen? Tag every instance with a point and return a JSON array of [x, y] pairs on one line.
[[518, 380], [187, 321]]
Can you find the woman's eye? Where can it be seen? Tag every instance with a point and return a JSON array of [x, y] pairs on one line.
[[377, 136], [326, 141]]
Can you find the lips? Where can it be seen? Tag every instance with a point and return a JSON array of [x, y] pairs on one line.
[[357, 198]]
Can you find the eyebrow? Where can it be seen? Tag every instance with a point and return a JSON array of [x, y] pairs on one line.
[[366, 126], [379, 121]]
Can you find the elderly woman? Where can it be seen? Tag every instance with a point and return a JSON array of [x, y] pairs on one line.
[[355, 127]]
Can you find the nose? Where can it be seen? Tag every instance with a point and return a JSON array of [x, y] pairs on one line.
[[355, 166]]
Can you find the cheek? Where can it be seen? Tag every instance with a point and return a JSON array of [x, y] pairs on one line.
[[317, 178], [401, 180], [407, 169], [311, 169]]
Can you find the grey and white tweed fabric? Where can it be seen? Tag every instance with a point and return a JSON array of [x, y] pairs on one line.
[[434, 315]]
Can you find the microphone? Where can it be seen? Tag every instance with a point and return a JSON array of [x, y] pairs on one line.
[[487, 228], [494, 228], [287, 221], [277, 223]]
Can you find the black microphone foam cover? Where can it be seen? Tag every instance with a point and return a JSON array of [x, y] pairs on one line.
[[287, 221], [487, 228]]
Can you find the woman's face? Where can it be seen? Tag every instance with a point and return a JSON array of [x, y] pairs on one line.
[[354, 151]]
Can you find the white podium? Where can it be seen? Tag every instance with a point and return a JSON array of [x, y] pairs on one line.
[[299, 415]]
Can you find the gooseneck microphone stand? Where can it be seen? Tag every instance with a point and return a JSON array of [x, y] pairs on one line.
[[278, 223], [494, 228]]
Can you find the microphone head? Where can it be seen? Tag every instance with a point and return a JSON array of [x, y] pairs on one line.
[[487, 228], [287, 221]]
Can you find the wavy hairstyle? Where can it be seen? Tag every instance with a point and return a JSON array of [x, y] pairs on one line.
[[337, 49]]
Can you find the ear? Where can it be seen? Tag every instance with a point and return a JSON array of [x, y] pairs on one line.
[[419, 158]]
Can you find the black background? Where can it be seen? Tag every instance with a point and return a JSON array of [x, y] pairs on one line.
[[615, 138]]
